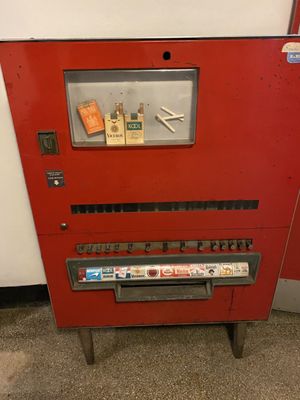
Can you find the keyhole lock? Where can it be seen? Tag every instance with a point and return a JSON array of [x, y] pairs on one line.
[[64, 226]]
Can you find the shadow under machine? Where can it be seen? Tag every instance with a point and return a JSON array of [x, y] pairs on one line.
[[162, 176]]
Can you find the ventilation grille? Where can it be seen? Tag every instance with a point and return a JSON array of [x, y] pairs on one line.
[[164, 207]]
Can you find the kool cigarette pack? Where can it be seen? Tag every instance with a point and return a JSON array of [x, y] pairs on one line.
[[134, 126]]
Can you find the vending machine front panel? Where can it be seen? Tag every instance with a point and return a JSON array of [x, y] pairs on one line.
[[162, 174]]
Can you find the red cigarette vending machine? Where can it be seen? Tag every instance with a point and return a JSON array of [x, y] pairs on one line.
[[163, 175]]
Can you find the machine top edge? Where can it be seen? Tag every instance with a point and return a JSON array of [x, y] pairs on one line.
[[162, 38]]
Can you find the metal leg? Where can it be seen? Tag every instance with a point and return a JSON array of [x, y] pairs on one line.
[[86, 339], [238, 338]]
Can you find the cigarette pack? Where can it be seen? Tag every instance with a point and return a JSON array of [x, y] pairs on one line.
[[134, 126], [91, 117], [114, 126]]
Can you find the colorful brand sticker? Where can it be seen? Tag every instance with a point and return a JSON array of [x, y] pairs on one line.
[[108, 273], [93, 274], [240, 269], [81, 274], [291, 47], [211, 270], [197, 271], [122, 273], [152, 272], [182, 271], [167, 272], [293, 57], [226, 269], [138, 272]]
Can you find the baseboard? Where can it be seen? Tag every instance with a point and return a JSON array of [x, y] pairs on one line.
[[23, 296]]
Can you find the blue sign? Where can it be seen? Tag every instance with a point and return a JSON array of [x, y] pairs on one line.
[[293, 57], [94, 274]]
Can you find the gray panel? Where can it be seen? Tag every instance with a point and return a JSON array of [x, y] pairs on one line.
[[132, 289], [175, 89], [287, 296]]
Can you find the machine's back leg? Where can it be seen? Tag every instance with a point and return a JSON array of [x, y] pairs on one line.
[[86, 339]]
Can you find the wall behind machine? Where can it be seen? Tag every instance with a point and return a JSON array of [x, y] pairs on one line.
[[20, 261], [143, 18]]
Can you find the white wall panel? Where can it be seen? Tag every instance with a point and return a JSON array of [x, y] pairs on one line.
[[142, 18], [20, 260]]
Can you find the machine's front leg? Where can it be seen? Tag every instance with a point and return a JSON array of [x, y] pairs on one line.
[[86, 339], [238, 338]]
